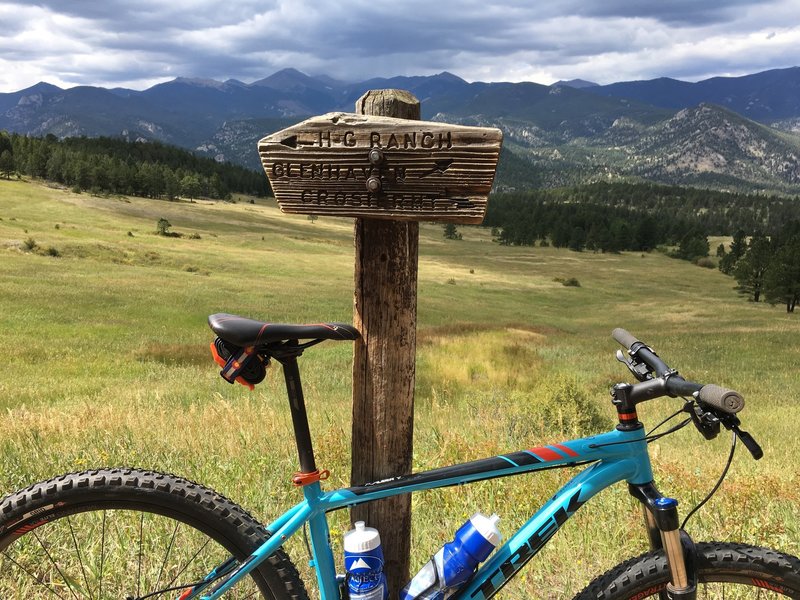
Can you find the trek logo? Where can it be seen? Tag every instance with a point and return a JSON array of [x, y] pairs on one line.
[[516, 561]]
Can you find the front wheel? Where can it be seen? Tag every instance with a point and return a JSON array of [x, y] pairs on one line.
[[126, 533], [725, 571]]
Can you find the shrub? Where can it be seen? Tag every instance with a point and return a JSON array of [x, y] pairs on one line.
[[706, 262], [450, 232], [566, 410], [571, 282], [51, 251], [194, 236], [30, 244], [556, 409], [162, 227]]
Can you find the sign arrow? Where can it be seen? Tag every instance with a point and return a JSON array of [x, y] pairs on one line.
[[440, 166]]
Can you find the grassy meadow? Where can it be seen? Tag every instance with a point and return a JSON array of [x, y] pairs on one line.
[[107, 363]]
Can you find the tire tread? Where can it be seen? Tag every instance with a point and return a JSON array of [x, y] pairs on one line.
[[158, 487]]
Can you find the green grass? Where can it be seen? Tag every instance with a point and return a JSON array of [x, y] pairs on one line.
[[107, 364]]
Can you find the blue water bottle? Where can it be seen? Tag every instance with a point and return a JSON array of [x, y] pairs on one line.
[[456, 561], [363, 562]]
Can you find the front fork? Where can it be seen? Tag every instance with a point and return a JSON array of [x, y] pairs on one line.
[[663, 530]]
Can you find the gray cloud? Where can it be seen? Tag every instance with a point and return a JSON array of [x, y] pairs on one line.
[[116, 42], [673, 12]]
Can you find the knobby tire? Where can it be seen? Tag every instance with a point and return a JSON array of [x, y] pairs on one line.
[[114, 533], [729, 571]]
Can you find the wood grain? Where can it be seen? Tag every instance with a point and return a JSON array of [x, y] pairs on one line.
[[385, 312], [428, 171]]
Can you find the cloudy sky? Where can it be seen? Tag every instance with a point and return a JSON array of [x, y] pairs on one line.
[[137, 44]]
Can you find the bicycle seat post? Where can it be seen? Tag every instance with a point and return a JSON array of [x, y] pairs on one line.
[[302, 434]]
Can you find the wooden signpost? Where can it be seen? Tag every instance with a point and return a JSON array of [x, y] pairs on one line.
[[351, 165], [390, 171]]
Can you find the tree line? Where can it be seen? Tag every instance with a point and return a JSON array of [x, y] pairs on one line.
[[632, 216], [116, 166], [576, 218], [764, 256], [766, 267]]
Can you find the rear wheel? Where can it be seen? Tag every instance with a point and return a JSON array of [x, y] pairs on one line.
[[119, 533], [725, 571]]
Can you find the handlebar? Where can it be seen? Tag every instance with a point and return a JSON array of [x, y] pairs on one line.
[[667, 382]]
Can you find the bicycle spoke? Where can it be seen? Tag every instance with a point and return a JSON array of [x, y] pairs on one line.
[[189, 562], [78, 553], [63, 577], [34, 577], [139, 576], [107, 542], [166, 556], [102, 557]]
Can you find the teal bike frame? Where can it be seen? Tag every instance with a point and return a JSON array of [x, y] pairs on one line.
[[619, 455]]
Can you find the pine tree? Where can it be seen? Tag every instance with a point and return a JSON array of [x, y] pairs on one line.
[[7, 164], [450, 231], [782, 277], [750, 269]]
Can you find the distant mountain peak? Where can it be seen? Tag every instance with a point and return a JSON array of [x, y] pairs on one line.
[[654, 129], [448, 76], [42, 87], [290, 71], [200, 82], [578, 84], [289, 79]]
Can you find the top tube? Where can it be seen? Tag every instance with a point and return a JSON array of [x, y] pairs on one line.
[[615, 445]]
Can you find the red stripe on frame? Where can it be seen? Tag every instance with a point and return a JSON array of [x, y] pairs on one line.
[[565, 450], [546, 454]]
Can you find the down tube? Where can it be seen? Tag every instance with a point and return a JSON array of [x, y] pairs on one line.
[[532, 537]]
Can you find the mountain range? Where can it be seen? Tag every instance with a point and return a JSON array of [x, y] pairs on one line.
[[738, 133]]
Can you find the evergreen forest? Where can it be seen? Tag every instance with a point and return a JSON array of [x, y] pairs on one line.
[[764, 256], [115, 166]]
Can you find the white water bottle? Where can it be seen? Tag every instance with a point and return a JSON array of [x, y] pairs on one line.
[[363, 562], [456, 561]]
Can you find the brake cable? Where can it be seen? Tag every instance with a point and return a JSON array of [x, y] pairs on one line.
[[717, 485], [649, 437]]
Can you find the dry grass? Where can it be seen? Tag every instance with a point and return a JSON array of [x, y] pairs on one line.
[[109, 364]]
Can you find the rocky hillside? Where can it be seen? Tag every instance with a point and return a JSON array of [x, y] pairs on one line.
[[568, 133]]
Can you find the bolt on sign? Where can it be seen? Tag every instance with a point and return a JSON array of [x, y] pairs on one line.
[[350, 165]]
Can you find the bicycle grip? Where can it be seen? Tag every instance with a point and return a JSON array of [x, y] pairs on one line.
[[726, 400], [623, 337]]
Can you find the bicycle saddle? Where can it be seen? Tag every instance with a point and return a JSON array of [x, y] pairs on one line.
[[244, 332]]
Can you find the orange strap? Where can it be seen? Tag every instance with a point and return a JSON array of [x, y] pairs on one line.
[[301, 479]]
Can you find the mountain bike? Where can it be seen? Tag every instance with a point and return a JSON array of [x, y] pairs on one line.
[[134, 534]]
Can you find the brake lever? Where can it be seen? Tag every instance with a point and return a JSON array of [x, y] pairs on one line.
[[636, 367], [731, 423], [750, 443]]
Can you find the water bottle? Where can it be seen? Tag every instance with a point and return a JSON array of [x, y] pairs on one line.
[[456, 561], [363, 562]]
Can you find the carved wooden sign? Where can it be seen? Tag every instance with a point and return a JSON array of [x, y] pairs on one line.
[[350, 165]]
